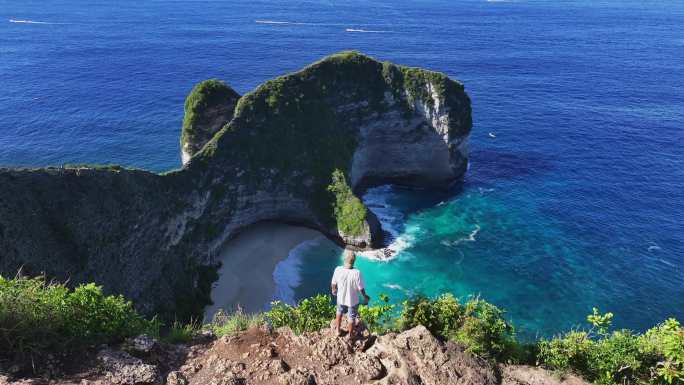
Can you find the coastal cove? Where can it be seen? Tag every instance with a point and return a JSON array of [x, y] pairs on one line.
[[253, 272], [573, 197]]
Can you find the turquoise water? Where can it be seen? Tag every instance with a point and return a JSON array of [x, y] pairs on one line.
[[494, 243], [576, 202]]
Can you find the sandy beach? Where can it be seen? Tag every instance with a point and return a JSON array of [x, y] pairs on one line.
[[246, 276]]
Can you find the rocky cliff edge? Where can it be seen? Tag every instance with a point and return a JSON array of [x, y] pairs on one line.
[[261, 356]]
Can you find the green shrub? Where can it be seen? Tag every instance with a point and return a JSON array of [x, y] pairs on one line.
[[485, 331], [233, 323], [620, 356], [478, 324], [666, 341], [441, 315], [311, 314], [38, 317], [378, 318], [566, 352]]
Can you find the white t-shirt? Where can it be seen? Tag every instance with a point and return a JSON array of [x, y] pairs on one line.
[[349, 282]]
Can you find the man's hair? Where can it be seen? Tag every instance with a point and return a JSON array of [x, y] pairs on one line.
[[349, 258]]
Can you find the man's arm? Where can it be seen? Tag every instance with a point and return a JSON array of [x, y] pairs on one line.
[[363, 293], [333, 283], [362, 288]]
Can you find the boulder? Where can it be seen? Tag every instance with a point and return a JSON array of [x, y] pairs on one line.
[[415, 356]]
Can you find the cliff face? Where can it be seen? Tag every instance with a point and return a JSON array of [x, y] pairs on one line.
[[297, 149]]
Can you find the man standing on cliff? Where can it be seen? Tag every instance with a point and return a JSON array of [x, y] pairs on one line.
[[346, 284]]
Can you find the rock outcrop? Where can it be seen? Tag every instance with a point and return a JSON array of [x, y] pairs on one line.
[[262, 357], [208, 108], [298, 149]]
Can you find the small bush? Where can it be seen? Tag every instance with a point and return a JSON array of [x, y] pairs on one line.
[[666, 341], [478, 324], [485, 331], [38, 317], [182, 333], [441, 315], [378, 318], [309, 315], [231, 324], [567, 352]]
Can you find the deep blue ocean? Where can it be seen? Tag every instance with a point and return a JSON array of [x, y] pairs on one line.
[[575, 193]]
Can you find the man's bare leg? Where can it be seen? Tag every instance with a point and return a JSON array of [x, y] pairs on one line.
[[351, 326], [338, 321]]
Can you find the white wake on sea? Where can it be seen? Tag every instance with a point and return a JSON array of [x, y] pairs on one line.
[[29, 22], [281, 22], [359, 30]]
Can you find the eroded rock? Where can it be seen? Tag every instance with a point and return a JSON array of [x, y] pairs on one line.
[[417, 355], [123, 369]]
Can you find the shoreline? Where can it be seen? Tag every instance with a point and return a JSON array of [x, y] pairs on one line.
[[248, 263]]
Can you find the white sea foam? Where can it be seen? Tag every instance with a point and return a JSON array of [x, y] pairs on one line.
[[469, 238], [392, 286], [392, 221], [653, 247], [286, 274], [30, 22], [359, 30]]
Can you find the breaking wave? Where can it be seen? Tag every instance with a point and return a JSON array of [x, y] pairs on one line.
[[286, 274], [392, 220]]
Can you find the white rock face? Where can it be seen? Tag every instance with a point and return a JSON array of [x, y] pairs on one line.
[[185, 153], [415, 150]]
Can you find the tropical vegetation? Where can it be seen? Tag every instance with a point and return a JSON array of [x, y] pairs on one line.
[[39, 317]]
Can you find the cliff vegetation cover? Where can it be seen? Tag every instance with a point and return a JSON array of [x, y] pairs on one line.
[[39, 318]]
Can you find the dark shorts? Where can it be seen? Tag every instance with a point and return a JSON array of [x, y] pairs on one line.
[[352, 310]]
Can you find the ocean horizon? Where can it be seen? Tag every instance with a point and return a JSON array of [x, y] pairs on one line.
[[574, 195]]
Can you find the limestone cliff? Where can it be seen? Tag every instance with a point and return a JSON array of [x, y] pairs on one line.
[[299, 149]]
